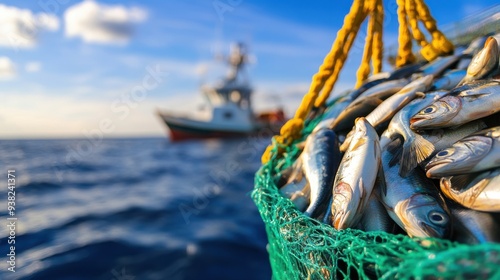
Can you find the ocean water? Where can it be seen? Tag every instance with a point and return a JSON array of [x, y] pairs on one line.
[[127, 209]]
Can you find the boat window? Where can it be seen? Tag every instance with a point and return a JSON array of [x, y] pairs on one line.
[[228, 115]]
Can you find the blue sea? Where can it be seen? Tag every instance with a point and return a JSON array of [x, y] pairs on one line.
[[125, 209]]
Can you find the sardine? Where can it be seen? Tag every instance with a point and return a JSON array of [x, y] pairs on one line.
[[474, 227], [475, 46], [321, 158], [390, 106], [463, 64], [339, 106], [335, 110], [413, 202], [385, 111], [385, 89], [444, 138], [405, 71], [415, 148], [358, 108], [478, 191], [449, 81], [375, 217], [476, 152], [484, 62], [464, 104], [356, 176], [439, 65]]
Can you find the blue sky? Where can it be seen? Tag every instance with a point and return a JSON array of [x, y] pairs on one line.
[[65, 66]]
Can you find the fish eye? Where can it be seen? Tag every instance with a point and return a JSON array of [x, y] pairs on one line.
[[443, 153], [429, 110], [438, 218]]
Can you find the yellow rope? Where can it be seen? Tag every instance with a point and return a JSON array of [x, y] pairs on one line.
[[409, 13], [374, 30], [378, 44], [439, 45], [417, 10], [405, 54], [327, 74]]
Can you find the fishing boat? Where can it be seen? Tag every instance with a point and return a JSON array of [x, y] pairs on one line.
[[229, 110]]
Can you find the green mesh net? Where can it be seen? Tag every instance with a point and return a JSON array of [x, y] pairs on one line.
[[304, 248]]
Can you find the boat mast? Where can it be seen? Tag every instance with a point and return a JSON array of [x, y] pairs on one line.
[[234, 88]]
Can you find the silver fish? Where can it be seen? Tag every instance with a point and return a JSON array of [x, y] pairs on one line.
[[385, 89], [378, 76], [358, 108], [390, 106], [321, 158], [385, 111], [375, 217], [405, 71], [413, 202], [476, 152], [415, 148], [463, 64], [474, 227], [475, 191], [484, 62], [449, 80], [461, 105], [356, 176], [341, 104], [444, 138], [439, 65], [331, 115], [366, 103], [475, 46]]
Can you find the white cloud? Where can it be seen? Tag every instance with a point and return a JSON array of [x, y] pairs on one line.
[[100, 23], [7, 68], [33, 67], [19, 28]]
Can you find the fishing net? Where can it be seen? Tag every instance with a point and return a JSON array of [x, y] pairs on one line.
[[304, 248]]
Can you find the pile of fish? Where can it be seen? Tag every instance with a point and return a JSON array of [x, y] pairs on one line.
[[415, 151]]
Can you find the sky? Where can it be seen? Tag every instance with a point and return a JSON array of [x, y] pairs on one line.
[[102, 68]]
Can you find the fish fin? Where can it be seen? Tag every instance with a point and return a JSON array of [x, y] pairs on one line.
[[473, 96], [458, 182], [394, 145], [423, 148], [413, 153], [362, 197], [396, 150], [380, 182], [359, 143]]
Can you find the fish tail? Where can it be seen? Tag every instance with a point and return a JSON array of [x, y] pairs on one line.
[[414, 151]]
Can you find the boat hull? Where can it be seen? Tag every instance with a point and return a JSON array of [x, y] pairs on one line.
[[180, 133], [181, 128]]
